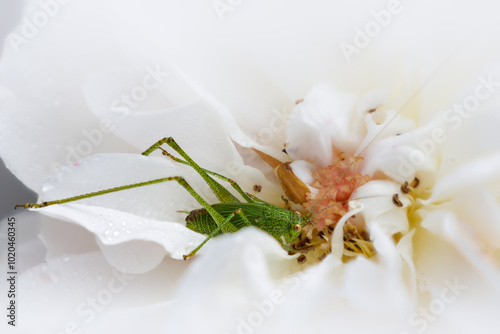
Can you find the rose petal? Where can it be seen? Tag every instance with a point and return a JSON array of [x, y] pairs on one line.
[[462, 238], [405, 249], [386, 276], [478, 207], [115, 227], [379, 208], [62, 239], [172, 109], [481, 171], [46, 98], [381, 125], [84, 290], [100, 172], [402, 157], [448, 285], [138, 256], [261, 292], [472, 130], [319, 123]]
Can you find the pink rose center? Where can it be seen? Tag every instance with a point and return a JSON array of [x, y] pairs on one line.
[[336, 183]]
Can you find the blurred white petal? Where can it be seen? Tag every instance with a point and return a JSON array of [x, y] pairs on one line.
[[236, 80], [318, 123]]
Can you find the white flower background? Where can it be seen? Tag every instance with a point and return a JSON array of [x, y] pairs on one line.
[[219, 83]]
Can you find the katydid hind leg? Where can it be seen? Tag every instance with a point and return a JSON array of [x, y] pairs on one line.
[[248, 197], [222, 193], [218, 218], [93, 194]]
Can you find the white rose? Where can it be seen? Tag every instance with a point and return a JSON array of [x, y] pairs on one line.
[[98, 83]]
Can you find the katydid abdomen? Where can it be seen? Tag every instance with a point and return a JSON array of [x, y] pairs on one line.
[[276, 221]]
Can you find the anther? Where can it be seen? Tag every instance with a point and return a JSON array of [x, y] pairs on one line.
[[405, 189], [396, 201], [301, 259], [415, 183]]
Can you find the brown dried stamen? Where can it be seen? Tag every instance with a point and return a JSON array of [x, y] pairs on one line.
[[396, 200]]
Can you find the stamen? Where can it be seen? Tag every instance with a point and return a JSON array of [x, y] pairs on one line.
[[396, 200], [415, 182], [302, 259], [405, 189], [355, 207]]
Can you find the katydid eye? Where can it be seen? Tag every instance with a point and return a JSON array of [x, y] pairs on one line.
[[297, 227]]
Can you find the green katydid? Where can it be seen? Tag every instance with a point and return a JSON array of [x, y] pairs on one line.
[[225, 217], [230, 214]]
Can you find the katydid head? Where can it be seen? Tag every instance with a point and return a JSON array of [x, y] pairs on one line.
[[295, 227]]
